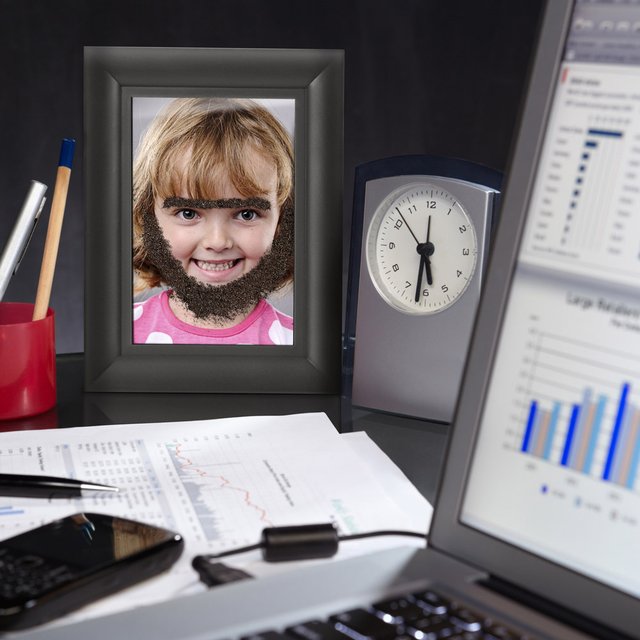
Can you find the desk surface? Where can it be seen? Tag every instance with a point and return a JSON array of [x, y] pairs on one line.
[[416, 446]]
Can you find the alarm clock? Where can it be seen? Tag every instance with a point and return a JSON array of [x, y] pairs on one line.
[[420, 237]]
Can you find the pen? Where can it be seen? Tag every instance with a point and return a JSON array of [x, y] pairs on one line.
[[21, 233], [52, 240], [28, 486]]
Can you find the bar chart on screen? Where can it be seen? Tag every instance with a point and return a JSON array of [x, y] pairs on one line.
[[580, 408]]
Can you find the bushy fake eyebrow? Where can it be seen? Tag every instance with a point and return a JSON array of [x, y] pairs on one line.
[[224, 203]]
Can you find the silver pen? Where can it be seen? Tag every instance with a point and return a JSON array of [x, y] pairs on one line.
[[21, 233], [30, 486]]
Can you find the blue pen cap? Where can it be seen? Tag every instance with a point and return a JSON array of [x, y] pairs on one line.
[[66, 152]]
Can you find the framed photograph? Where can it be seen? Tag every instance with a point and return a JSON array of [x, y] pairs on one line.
[[213, 191]]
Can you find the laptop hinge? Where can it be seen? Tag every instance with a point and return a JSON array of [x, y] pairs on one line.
[[550, 609]]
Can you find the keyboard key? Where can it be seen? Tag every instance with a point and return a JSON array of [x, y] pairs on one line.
[[315, 630], [399, 610], [361, 624], [432, 601], [432, 627], [466, 620]]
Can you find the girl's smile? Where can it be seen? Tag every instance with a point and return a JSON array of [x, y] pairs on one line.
[[216, 266], [217, 271]]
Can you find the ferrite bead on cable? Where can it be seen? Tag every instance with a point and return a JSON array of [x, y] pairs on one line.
[[304, 542]]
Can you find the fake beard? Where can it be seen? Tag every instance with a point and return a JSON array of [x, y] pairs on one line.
[[225, 301]]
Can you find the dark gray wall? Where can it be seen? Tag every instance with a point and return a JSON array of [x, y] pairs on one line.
[[422, 76]]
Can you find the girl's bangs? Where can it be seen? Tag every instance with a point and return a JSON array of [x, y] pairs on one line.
[[199, 172]]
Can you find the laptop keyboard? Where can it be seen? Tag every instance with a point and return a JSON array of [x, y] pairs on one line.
[[425, 615]]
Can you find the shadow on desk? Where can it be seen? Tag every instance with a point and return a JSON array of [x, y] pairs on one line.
[[77, 408], [416, 446]]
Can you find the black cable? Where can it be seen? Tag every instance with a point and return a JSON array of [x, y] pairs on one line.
[[279, 544], [371, 534], [233, 552]]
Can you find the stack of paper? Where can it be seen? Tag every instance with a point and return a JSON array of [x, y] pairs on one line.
[[218, 483]]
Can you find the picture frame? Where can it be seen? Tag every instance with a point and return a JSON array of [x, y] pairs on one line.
[[313, 78]]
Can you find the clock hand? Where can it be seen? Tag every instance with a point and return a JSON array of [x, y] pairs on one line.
[[421, 248], [425, 249], [423, 259], [429, 251], [427, 264], [408, 227]]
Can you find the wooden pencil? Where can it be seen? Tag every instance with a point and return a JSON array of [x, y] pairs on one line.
[[52, 241]]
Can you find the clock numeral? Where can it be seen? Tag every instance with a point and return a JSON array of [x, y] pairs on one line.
[[395, 267], [406, 286], [398, 224], [430, 204], [444, 288], [392, 245], [462, 228], [465, 252], [459, 273], [425, 293]]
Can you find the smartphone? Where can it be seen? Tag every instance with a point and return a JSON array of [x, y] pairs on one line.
[[61, 566]]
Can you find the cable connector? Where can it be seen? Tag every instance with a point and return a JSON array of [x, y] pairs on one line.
[[214, 573]]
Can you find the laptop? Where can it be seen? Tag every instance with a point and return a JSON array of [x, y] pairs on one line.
[[536, 530]]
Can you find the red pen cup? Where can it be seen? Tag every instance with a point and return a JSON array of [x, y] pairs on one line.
[[27, 361]]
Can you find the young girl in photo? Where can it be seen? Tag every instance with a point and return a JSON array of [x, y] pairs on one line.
[[213, 224]]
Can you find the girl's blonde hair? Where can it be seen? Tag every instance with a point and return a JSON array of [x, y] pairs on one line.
[[215, 133]]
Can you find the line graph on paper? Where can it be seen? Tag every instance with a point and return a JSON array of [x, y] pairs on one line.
[[233, 488]]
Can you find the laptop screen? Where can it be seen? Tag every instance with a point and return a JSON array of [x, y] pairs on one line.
[[556, 466]]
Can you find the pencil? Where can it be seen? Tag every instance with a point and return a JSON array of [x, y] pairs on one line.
[[52, 240]]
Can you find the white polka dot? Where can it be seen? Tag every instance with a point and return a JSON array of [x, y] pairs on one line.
[[138, 310], [158, 337], [279, 334]]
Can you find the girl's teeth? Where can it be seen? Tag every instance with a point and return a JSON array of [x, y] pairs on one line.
[[219, 266]]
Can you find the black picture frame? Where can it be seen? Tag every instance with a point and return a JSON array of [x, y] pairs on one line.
[[314, 78]]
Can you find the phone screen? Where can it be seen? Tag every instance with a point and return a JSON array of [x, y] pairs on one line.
[[85, 542], [62, 565]]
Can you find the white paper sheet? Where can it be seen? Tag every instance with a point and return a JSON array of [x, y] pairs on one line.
[[218, 483]]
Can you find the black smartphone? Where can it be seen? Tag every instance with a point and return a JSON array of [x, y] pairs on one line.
[[61, 566]]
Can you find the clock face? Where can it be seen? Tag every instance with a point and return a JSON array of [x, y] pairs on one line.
[[421, 249]]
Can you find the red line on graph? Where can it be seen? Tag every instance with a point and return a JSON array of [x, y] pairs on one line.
[[225, 483]]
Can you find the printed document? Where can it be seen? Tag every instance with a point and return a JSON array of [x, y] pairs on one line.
[[218, 483]]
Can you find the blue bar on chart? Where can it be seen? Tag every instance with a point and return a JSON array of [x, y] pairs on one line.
[[606, 133], [584, 426], [540, 430], [615, 435], [593, 432], [624, 449], [587, 427], [531, 420], [569, 440]]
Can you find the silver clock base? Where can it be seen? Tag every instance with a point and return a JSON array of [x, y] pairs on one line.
[[412, 364]]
